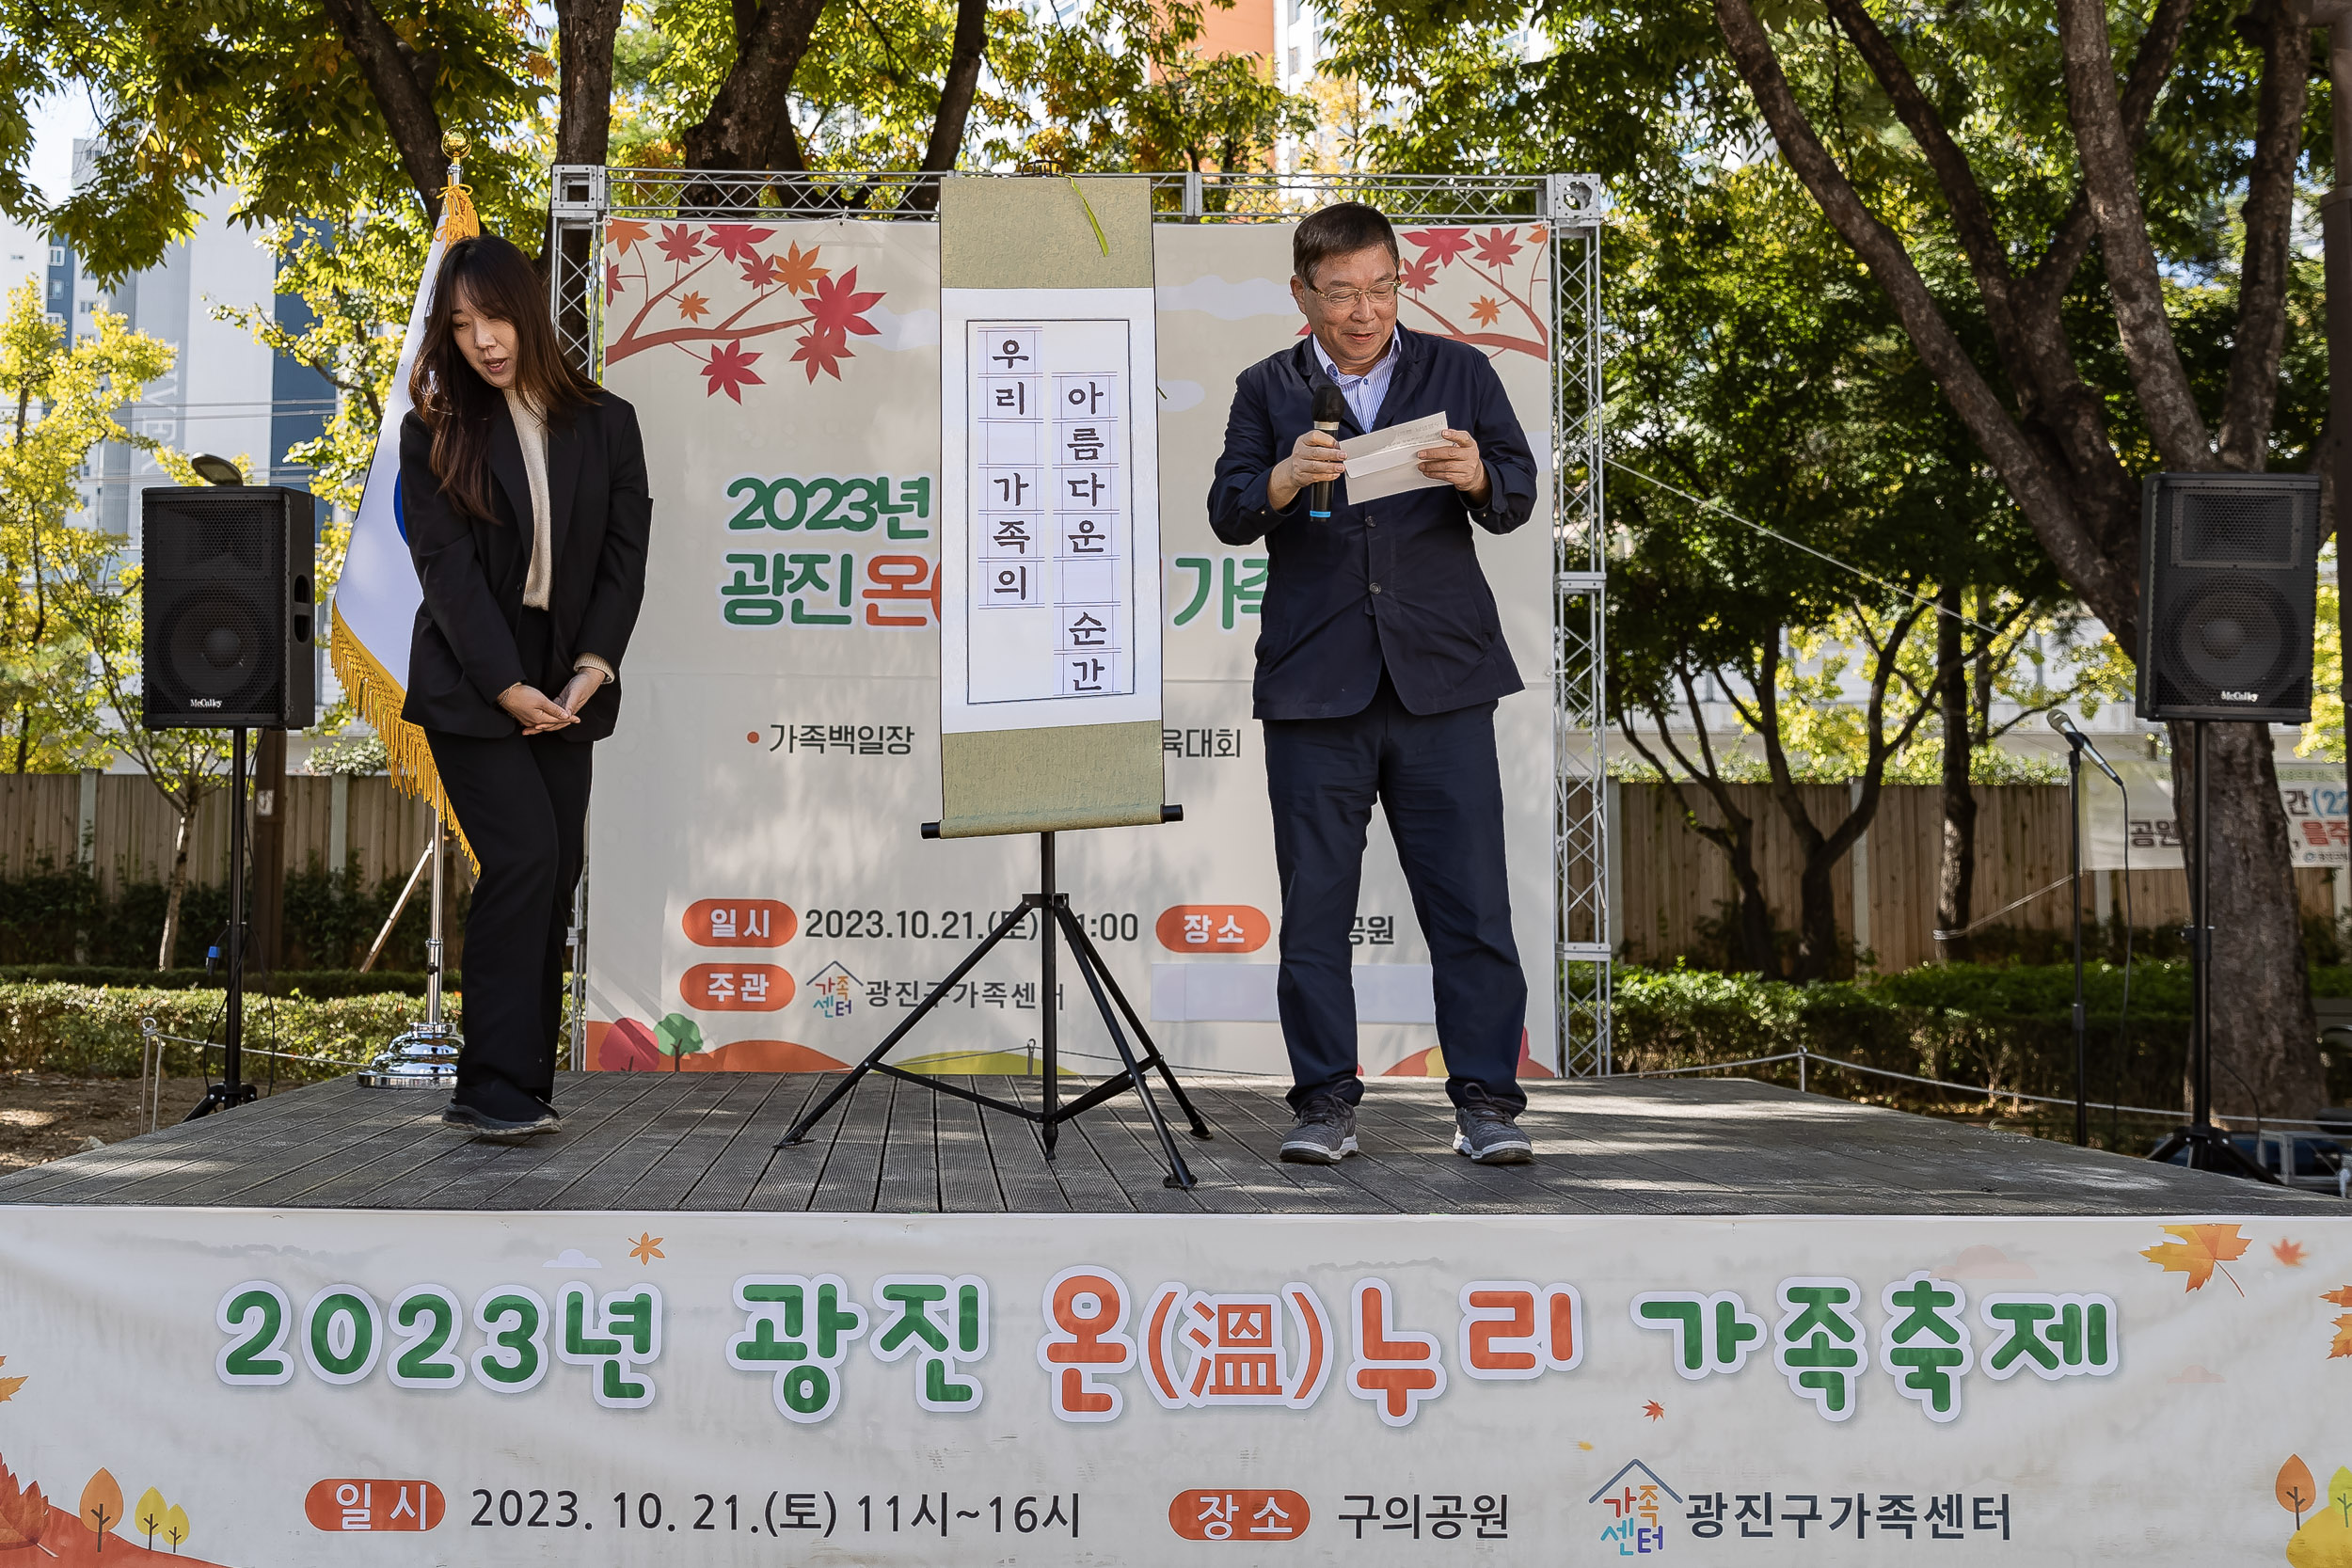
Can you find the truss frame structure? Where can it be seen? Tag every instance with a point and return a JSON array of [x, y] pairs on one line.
[[1575, 209]]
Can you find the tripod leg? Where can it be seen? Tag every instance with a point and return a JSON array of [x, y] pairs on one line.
[[835, 1096], [1150, 1048], [1179, 1174]]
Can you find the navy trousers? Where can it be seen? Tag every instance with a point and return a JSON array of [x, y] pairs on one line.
[[1437, 778]]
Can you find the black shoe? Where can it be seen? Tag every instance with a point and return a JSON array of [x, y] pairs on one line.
[[498, 1130], [1325, 1133]]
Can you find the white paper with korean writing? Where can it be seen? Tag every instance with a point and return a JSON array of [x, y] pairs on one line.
[[1384, 463], [643, 1389], [1049, 579]]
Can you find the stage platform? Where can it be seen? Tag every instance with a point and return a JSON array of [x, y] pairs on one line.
[[700, 1141]]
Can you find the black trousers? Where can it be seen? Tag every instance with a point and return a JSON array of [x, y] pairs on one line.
[[523, 804], [1437, 779]]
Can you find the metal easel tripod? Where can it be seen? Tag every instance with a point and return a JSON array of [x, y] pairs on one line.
[[2208, 1146], [1053, 912]]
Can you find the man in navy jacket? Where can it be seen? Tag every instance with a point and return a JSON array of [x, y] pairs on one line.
[[1380, 659]]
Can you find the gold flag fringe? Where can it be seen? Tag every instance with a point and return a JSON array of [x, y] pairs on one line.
[[406, 757], [459, 221]]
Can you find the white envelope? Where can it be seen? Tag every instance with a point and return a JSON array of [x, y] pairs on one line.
[[1383, 463]]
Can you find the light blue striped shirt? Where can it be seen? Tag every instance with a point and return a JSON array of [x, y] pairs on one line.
[[1366, 392]]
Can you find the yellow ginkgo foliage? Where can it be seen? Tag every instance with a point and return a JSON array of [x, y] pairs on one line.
[[146, 1514]]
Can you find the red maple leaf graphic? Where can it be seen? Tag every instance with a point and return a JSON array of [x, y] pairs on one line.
[[822, 349], [836, 307], [611, 280], [1440, 245], [1500, 249], [1486, 311], [734, 241], [624, 234], [729, 370], [762, 271], [1654, 1410], [679, 242], [1418, 276], [692, 307]]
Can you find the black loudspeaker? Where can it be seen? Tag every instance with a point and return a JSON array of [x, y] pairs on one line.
[[2228, 588], [226, 617]]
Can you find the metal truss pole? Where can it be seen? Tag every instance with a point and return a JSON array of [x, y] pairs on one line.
[[1579, 207]]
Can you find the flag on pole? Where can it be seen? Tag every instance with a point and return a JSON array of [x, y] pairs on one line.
[[374, 610]]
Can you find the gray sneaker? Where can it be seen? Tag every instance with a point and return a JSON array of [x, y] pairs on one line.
[[498, 1130], [1325, 1133], [1490, 1137]]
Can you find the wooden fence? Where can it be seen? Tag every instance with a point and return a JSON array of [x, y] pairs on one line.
[[1671, 883], [44, 818]]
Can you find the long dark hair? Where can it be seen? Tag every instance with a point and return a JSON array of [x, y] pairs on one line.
[[456, 404]]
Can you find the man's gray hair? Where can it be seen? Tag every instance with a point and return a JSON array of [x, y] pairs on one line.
[[1339, 229]]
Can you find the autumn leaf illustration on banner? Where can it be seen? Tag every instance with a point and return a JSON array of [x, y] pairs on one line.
[[9, 1385], [2289, 1253], [707, 290], [2200, 1249], [1495, 279], [23, 1513]]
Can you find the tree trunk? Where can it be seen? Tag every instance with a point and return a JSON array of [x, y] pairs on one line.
[[750, 122], [165, 953], [2265, 1061], [1757, 947], [955, 98], [1955, 871], [400, 82], [583, 121], [1818, 945]]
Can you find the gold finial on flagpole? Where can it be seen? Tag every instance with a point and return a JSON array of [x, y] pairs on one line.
[[458, 219]]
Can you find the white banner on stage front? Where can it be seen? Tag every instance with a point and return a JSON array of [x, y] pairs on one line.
[[261, 1390], [760, 898]]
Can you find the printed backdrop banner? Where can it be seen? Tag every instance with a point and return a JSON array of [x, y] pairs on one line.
[[2149, 828], [760, 898], [257, 1390]]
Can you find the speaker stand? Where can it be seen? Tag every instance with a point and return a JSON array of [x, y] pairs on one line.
[[232, 1089], [425, 1054], [2208, 1148]]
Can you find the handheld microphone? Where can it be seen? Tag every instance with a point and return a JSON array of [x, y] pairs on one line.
[[1331, 408], [2081, 742]]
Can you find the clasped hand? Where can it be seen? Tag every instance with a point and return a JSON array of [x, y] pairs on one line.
[[532, 709]]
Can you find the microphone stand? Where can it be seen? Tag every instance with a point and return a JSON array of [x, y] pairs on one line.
[[2075, 876]]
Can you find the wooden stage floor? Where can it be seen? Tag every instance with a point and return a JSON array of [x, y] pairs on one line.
[[702, 1141]]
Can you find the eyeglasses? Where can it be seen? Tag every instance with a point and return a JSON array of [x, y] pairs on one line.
[[1379, 294]]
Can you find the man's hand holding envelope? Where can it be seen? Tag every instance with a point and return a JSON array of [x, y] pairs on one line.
[[1420, 455]]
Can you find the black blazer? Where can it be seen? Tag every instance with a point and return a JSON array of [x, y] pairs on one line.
[[463, 651], [1394, 583]]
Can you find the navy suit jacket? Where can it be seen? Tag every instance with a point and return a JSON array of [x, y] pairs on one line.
[[462, 652], [1394, 583]]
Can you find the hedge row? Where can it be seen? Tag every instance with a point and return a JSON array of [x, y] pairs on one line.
[[94, 1031], [312, 983], [2007, 1028]]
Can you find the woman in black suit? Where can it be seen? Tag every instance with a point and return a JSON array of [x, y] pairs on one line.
[[522, 490]]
